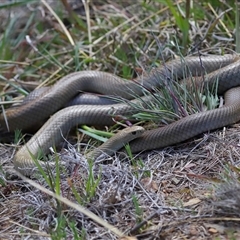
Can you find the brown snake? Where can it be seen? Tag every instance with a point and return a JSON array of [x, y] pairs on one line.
[[224, 68]]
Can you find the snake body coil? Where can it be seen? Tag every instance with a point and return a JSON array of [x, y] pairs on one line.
[[226, 69]]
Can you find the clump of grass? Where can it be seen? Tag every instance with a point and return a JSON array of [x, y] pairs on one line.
[[91, 183], [175, 100]]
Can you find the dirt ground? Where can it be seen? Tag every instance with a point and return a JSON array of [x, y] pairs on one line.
[[179, 191]]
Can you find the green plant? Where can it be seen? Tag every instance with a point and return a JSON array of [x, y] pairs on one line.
[[138, 210], [91, 183]]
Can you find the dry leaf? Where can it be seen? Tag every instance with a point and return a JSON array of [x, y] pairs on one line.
[[191, 202], [149, 184]]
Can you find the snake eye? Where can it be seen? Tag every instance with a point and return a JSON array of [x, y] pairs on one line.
[[134, 132]]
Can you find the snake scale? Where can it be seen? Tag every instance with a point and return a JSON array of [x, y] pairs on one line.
[[225, 69]]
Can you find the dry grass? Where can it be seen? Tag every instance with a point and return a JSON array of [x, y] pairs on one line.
[[190, 191]]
